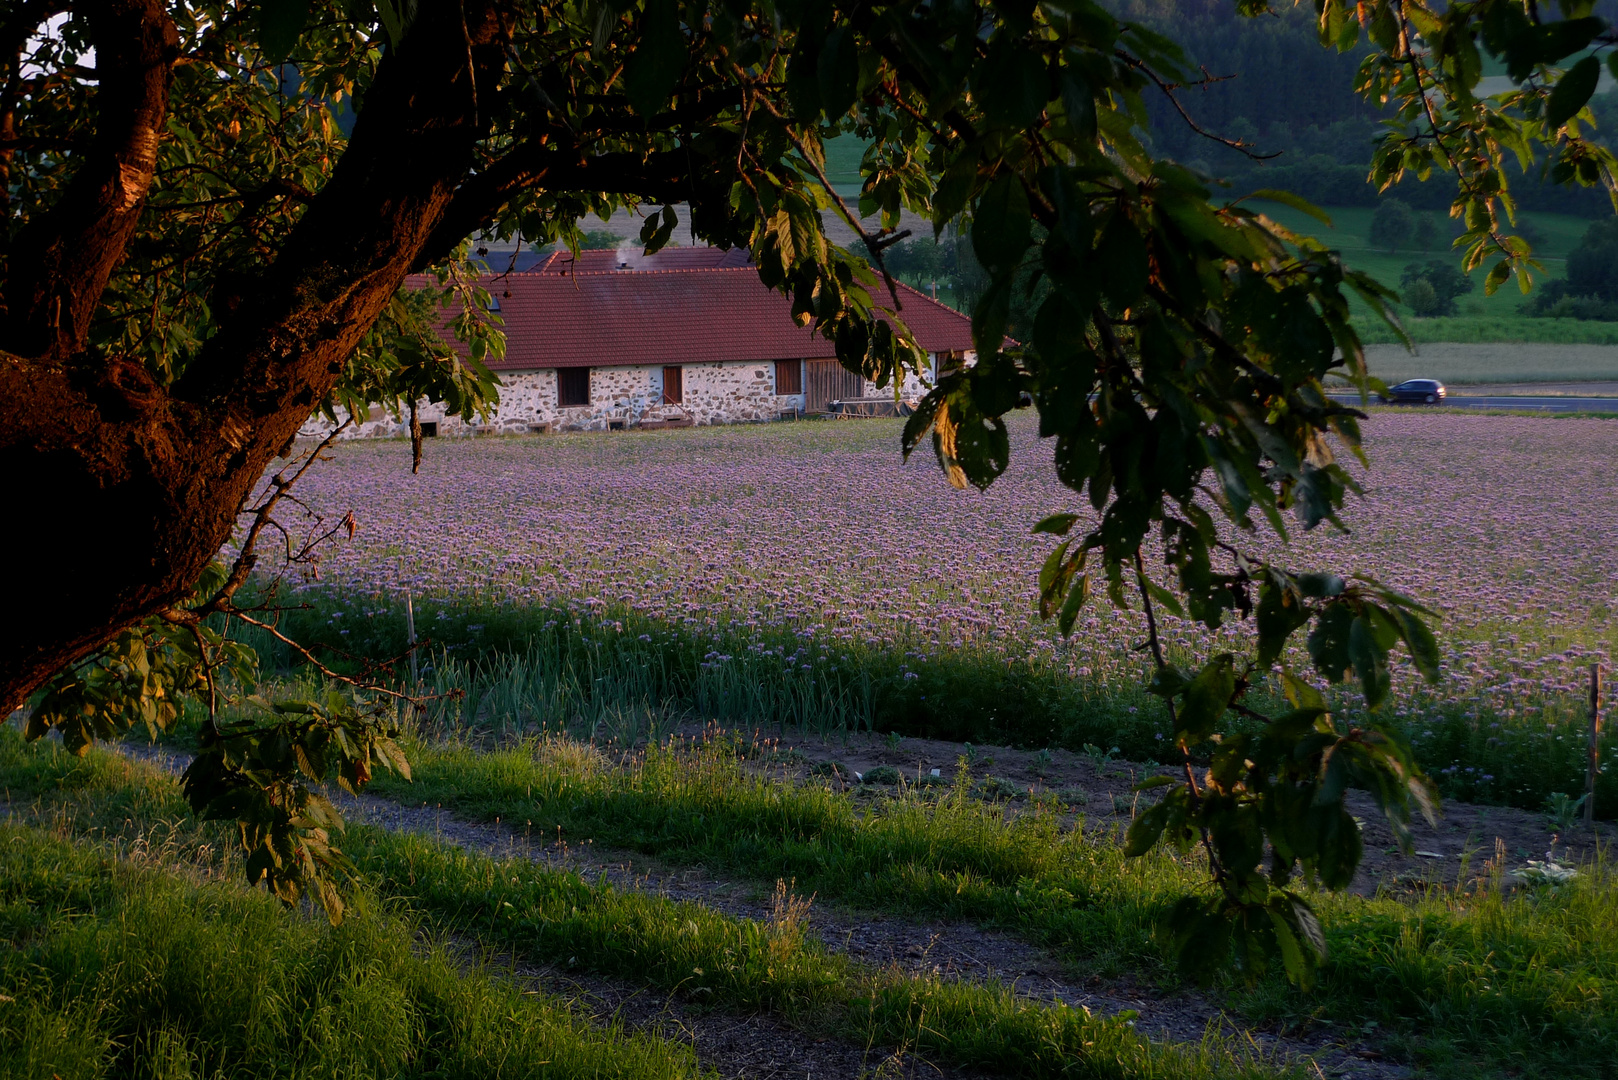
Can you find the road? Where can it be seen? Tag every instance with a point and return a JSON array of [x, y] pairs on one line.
[[1533, 404]]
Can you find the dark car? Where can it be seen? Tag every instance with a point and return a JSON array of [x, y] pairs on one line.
[[1416, 392]]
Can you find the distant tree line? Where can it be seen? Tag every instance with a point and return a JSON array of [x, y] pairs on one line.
[[1590, 290], [1279, 92]]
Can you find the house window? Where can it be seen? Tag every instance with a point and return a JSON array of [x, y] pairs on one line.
[[789, 376], [572, 386], [673, 385], [429, 429]]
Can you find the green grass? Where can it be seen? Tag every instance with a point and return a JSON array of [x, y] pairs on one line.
[[1480, 318], [1469, 983], [1502, 328], [1523, 983], [406, 1016], [1490, 355], [113, 969]]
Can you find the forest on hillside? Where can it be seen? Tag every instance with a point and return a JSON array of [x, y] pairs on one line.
[[1272, 86]]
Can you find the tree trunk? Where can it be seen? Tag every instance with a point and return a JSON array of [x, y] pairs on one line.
[[122, 490]]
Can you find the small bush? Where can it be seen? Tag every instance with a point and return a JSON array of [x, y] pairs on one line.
[[994, 787]]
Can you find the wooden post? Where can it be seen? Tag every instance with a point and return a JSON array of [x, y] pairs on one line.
[[410, 631], [1595, 746]]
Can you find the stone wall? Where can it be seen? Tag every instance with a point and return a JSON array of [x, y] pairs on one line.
[[714, 393]]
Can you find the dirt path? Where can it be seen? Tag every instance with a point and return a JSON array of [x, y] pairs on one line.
[[1100, 790], [918, 947], [756, 1046], [947, 950]]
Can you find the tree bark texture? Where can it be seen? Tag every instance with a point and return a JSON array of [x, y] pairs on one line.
[[121, 490]]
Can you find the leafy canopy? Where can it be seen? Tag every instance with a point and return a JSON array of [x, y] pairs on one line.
[[1178, 346]]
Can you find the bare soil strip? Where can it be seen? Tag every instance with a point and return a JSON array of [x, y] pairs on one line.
[[1103, 792], [752, 1046]]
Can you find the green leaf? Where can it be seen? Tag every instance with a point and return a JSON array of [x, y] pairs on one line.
[[1056, 524], [1206, 700], [1419, 640], [1053, 578], [1146, 829], [1166, 598], [1321, 586], [1328, 642], [1370, 660], [1298, 932], [1572, 92], [1122, 250], [954, 189], [971, 447], [1001, 226], [1010, 88], [654, 67], [1299, 694], [396, 17], [656, 230], [838, 72], [1280, 612], [1077, 594], [280, 24], [921, 421]]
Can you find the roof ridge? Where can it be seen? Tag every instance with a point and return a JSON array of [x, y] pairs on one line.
[[618, 272]]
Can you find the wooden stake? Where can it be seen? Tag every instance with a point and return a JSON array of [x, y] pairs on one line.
[[1590, 768], [410, 630]]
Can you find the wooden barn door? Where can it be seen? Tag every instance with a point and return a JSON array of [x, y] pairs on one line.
[[829, 381]]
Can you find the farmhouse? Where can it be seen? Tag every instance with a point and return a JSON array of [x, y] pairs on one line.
[[614, 339]]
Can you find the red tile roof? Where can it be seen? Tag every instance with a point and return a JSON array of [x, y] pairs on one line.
[[623, 317], [598, 260]]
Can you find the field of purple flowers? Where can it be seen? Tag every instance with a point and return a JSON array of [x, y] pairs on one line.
[[810, 550]]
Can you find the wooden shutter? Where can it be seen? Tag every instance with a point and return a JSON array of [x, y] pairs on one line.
[[673, 385], [572, 387], [829, 381], [789, 376]]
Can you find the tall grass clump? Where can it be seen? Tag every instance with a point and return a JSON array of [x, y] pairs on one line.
[[506, 671], [621, 673]]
